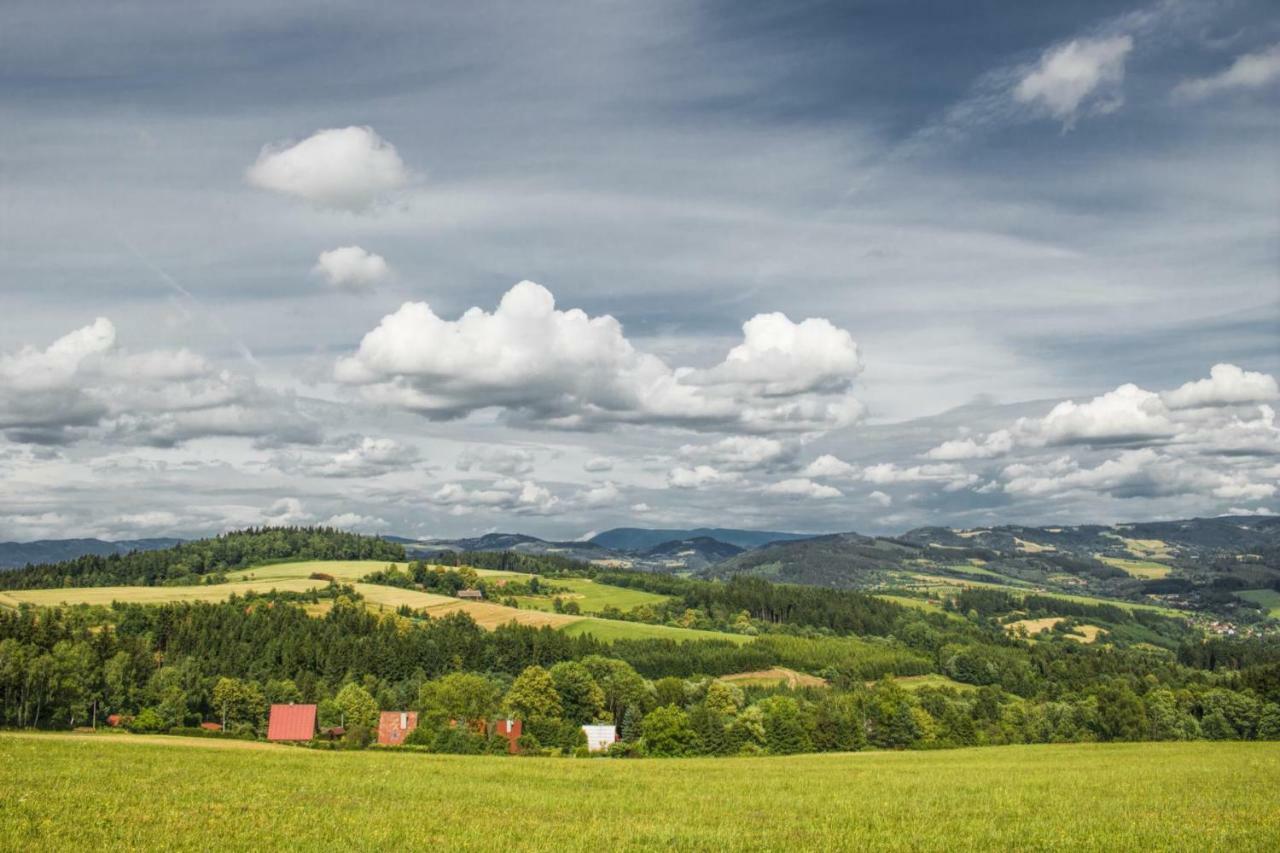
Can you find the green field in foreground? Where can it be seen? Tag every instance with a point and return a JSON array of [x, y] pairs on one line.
[[117, 791]]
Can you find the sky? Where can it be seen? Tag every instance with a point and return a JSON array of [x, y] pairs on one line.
[[444, 269]]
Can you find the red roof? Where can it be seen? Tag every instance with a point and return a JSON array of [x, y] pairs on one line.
[[292, 722]]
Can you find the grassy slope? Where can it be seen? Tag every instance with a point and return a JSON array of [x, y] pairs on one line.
[[61, 793], [295, 576], [1268, 598], [1145, 569]]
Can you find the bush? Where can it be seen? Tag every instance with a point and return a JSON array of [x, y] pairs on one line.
[[148, 721]]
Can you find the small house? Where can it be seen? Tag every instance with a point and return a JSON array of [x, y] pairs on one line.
[[211, 727], [471, 594], [292, 722], [600, 738], [509, 729], [394, 726]]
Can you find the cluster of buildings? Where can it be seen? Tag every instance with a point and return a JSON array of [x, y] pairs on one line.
[[298, 722]]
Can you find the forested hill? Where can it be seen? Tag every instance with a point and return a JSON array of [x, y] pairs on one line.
[[14, 555], [190, 561]]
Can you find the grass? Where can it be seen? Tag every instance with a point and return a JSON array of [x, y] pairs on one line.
[[1145, 569], [151, 594], [908, 601], [933, 679], [96, 792], [1079, 633], [608, 630], [592, 597], [778, 675], [1268, 598]]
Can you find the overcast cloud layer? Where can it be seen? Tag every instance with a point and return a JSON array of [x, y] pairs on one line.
[[437, 271]]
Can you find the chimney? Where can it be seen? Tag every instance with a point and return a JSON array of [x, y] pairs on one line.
[[404, 720]]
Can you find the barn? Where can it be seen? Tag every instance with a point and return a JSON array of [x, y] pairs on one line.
[[394, 726], [600, 738], [292, 722]]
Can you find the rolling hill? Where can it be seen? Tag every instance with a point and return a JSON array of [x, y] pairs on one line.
[[14, 555]]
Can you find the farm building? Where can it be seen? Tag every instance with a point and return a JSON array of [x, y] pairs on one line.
[[471, 594], [394, 726], [509, 729], [600, 738], [292, 722], [211, 727]]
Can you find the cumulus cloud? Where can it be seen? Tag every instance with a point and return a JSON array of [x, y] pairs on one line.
[[83, 385], [995, 444], [603, 494], [546, 367], [351, 268], [355, 521], [347, 168], [881, 498], [830, 467], [597, 464], [1141, 473], [1227, 385], [950, 477], [739, 452], [508, 461], [1127, 414], [700, 477], [1083, 75], [802, 487], [522, 497], [363, 456], [1250, 71]]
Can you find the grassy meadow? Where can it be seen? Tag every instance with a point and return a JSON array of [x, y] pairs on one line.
[[1268, 598], [60, 792]]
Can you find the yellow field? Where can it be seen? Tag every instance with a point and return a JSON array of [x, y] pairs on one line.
[[774, 676], [1080, 633], [1145, 569], [1032, 547], [151, 594]]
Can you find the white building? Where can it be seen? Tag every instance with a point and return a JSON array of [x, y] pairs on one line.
[[599, 738]]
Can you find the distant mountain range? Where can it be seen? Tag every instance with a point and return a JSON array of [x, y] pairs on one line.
[[15, 555]]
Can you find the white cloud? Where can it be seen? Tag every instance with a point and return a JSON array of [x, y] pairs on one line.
[[604, 494], [508, 461], [699, 477], [880, 498], [995, 444], [1142, 473], [286, 511], [739, 452], [1250, 71], [952, 477], [802, 487], [347, 168], [351, 268], [1083, 73], [546, 367], [641, 507], [1226, 385], [362, 457], [598, 464], [523, 497], [83, 385], [1128, 413], [355, 521], [831, 467]]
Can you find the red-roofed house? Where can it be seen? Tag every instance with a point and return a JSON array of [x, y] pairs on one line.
[[394, 726], [509, 729], [292, 722]]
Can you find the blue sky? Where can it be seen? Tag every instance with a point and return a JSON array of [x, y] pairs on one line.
[[823, 266]]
